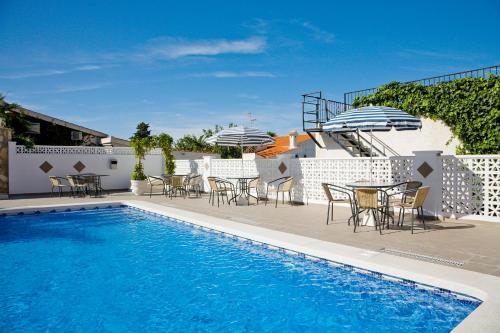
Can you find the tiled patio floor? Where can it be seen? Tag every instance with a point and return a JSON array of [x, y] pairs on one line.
[[476, 244]]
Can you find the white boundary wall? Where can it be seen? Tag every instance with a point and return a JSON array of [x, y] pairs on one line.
[[26, 176], [461, 186]]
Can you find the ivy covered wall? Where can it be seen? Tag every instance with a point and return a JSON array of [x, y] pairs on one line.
[[469, 106]]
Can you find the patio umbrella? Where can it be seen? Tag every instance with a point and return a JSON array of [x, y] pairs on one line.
[[372, 118], [240, 136]]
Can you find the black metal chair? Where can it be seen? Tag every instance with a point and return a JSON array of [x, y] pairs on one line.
[[328, 189], [221, 188], [397, 195], [77, 187], [283, 184], [194, 183], [57, 183], [155, 181]]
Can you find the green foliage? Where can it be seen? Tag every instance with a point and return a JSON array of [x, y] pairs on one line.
[[195, 143], [469, 106], [138, 173], [164, 142], [198, 144], [142, 131], [16, 121], [140, 146], [271, 133]]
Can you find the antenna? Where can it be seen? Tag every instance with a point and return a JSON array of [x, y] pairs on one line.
[[250, 119]]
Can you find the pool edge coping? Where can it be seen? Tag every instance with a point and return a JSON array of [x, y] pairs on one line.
[[482, 286]]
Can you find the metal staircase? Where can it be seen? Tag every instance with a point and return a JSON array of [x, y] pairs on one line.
[[352, 144], [317, 110]]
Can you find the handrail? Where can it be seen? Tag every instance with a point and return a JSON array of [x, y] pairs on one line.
[[350, 96], [384, 145], [318, 110]]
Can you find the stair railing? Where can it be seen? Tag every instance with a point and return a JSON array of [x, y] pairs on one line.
[[384, 147]]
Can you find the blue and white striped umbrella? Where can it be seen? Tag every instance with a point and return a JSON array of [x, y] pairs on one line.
[[372, 118], [240, 136]]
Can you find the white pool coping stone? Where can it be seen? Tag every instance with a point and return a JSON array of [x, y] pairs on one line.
[[486, 318]]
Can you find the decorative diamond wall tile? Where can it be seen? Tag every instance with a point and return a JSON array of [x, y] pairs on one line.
[[46, 166], [425, 169], [282, 168], [79, 166]]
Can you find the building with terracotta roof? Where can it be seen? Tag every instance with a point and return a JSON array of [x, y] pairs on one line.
[[294, 145]]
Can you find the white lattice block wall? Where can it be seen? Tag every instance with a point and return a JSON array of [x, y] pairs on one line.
[[29, 169], [471, 186], [184, 167], [79, 150], [309, 173]]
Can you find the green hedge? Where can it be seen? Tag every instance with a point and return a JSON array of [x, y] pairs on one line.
[[469, 106]]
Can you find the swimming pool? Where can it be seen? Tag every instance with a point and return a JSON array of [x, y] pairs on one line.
[[122, 269]]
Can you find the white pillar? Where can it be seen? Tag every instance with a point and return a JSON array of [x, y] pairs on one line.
[[206, 171], [428, 170]]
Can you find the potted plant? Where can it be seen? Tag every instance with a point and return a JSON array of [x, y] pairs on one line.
[[141, 147]]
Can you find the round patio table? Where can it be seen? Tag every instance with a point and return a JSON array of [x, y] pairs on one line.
[[96, 179], [243, 187], [367, 218], [179, 186]]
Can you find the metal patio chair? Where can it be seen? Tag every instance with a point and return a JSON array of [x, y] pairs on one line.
[[282, 185], [194, 184], [254, 184], [417, 204], [76, 186], [328, 189], [155, 181], [367, 200], [177, 184], [57, 183], [221, 188]]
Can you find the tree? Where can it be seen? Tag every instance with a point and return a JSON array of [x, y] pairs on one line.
[[164, 142], [142, 131], [271, 133], [191, 142], [16, 121], [140, 146]]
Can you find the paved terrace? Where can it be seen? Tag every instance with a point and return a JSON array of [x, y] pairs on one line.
[[475, 244]]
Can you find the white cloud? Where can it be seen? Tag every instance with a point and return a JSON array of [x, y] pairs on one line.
[[228, 74], [88, 68], [173, 48], [49, 72], [318, 33], [79, 88]]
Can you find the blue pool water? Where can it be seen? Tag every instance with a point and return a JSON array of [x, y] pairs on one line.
[[123, 270]]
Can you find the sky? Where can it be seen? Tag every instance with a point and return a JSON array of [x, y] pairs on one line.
[[182, 66]]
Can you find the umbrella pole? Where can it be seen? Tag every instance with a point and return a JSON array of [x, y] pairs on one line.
[[371, 154], [242, 166]]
